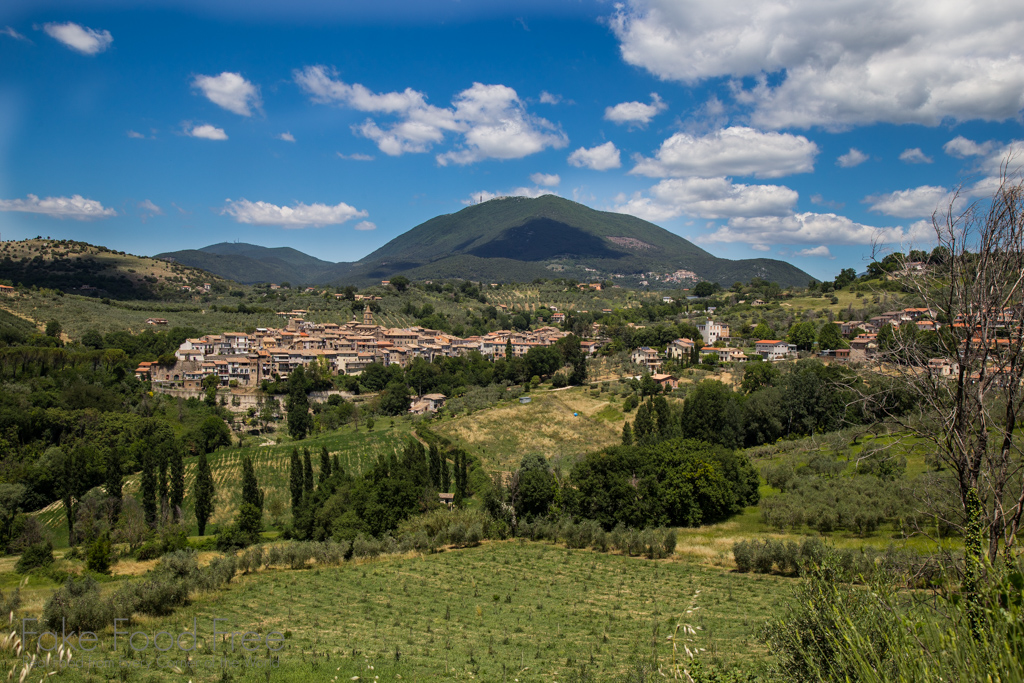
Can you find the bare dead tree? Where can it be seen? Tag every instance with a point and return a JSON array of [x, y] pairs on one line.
[[966, 381]]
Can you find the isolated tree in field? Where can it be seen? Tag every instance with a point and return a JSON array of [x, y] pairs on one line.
[[250, 512], [295, 479], [300, 422], [203, 492], [113, 483]]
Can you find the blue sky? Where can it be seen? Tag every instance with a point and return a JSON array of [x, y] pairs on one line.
[[811, 132]]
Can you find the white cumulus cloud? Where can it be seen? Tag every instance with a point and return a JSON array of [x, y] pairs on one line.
[[206, 132], [635, 113], [75, 206], [490, 121], [497, 126], [355, 157], [599, 158], [839, 64], [287, 137], [803, 228], [734, 151], [548, 98], [915, 156], [135, 134], [709, 198], [854, 157], [230, 91], [816, 251], [365, 225], [546, 179], [297, 216], [79, 38], [962, 148], [911, 203]]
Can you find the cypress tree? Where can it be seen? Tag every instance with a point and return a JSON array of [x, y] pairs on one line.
[[250, 512], [177, 481], [335, 464], [325, 465], [435, 467], [307, 472], [446, 476], [251, 492], [203, 490], [464, 477], [300, 422], [295, 480], [114, 482], [149, 483], [162, 463], [643, 426], [458, 479], [627, 434]]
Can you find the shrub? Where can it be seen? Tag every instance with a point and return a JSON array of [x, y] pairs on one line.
[[669, 544], [98, 558], [763, 557], [78, 606], [743, 552], [35, 556], [365, 546], [157, 595]]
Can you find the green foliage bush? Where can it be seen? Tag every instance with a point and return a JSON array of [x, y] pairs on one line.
[[98, 557], [35, 556], [78, 606], [678, 482]]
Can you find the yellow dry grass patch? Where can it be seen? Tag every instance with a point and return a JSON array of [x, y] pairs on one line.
[[504, 434], [132, 567]]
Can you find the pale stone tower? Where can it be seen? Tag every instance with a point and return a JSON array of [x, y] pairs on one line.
[[367, 315]]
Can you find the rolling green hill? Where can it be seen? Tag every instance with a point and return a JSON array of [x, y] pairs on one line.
[[511, 239], [251, 263]]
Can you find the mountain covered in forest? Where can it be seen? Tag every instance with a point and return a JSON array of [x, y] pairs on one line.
[[510, 239]]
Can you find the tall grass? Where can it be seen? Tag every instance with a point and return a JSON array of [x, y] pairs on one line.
[[838, 632]]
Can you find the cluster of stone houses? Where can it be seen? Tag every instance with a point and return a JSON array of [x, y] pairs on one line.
[[243, 359]]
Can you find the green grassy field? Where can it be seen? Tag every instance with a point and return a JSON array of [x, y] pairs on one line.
[[502, 611]]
